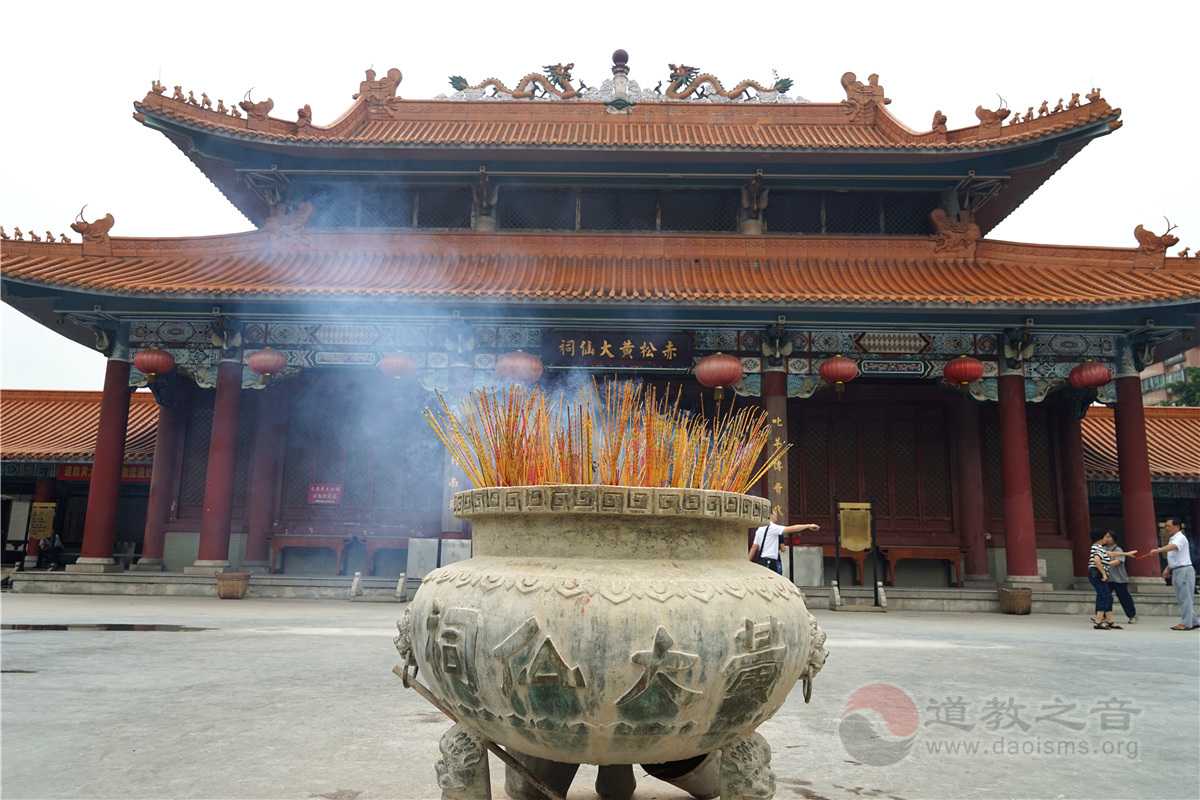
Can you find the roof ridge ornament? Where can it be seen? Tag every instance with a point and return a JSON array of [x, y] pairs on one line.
[[96, 241], [1152, 248], [687, 81], [862, 97], [379, 92], [955, 236], [555, 82], [991, 121], [256, 112]]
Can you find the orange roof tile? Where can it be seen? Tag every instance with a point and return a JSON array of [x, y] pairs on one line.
[[578, 123], [62, 426], [1172, 435], [614, 268]]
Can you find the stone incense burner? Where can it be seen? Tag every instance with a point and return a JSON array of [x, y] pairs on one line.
[[614, 626]]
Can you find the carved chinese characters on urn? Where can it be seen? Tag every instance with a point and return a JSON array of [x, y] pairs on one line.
[[611, 626]]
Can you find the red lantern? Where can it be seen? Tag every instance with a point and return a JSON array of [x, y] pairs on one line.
[[839, 371], [397, 366], [1089, 375], [519, 366], [267, 362], [963, 370], [719, 371], [153, 362]]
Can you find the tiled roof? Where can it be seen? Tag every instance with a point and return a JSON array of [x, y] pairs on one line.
[[684, 125], [62, 426], [1172, 435], [608, 268]]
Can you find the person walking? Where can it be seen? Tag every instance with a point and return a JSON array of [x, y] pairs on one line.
[[1100, 559], [765, 549], [1118, 580], [1180, 572]]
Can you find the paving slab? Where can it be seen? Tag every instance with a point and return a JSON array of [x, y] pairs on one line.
[[296, 699]]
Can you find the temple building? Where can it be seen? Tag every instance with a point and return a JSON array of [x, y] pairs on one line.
[[822, 259]]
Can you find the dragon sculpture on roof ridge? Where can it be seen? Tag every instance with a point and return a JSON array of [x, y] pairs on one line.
[[555, 81], [687, 81]]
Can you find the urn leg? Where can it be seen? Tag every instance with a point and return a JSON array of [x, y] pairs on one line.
[[700, 776], [556, 775], [462, 771], [746, 769], [615, 782]]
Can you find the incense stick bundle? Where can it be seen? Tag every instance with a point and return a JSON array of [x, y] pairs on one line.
[[625, 435]]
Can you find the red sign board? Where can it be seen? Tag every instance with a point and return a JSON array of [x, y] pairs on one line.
[[324, 494], [130, 473]]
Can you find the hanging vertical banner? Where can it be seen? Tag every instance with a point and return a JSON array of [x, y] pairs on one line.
[[41, 520]]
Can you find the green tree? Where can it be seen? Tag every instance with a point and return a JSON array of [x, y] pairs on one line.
[[1188, 392]]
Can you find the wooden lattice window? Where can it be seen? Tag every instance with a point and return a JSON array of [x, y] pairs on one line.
[[794, 212], [1041, 465], [814, 449], [845, 458], [993, 481], [195, 452], [714, 210], [905, 470], [876, 457], [618, 210], [935, 467]]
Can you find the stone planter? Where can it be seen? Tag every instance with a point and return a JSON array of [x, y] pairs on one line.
[[232, 585], [611, 625]]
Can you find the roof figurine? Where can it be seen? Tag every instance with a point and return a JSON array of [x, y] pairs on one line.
[[990, 121], [256, 111], [96, 231], [955, 236], [688, 81], [377, 92], [556, 82], [304, 117], [1151, 243], [861, 97]]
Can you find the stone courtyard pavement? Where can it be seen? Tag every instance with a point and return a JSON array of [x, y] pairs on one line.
[[296, 699]]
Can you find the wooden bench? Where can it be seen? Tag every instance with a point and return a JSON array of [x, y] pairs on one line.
[[280, 542], [951, 555], [859, 559], [378, 543]]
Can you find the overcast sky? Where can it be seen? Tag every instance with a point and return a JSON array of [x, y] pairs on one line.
[[69, 73]]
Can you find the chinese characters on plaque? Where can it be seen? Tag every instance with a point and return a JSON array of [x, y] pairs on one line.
[[324, 494], [617, 349]]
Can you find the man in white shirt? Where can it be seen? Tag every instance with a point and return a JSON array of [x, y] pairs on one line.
[[1181, 572], [765, 549]]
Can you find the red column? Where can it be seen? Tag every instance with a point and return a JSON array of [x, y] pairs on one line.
[[218, 480], [1075, 491], [168, 441], [1019, 536], [970, 488], [774, 393], [104, 489], [270, 433], [1133, 462]]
